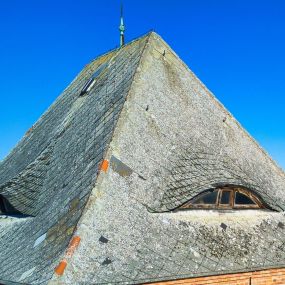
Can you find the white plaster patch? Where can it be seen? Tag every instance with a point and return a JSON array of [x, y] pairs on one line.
[[40, 239], [27, 274], [236, 218]]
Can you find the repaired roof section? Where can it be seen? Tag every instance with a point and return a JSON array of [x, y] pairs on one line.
[[49, 175]]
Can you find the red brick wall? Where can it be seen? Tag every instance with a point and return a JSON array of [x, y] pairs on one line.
[[264, 277]]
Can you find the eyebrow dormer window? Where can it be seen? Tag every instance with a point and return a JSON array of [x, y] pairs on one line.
[[225, 198]]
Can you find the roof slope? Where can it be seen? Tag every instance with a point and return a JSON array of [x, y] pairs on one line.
[[50, 173], [174, 139], [166, 138]]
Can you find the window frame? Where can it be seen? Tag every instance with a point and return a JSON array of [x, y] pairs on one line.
[[258, 204], [231, 199]]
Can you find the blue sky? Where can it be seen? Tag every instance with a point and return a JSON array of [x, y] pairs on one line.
[[235, 47]]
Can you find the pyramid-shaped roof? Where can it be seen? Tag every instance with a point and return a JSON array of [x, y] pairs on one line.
[[134, 137]]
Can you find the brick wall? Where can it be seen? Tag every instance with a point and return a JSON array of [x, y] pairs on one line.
[[264, 277]]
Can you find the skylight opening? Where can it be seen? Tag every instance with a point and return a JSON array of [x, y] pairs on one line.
[[88, 85], [92, 80]]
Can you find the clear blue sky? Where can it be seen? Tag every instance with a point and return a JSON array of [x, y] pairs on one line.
[[235, 47]]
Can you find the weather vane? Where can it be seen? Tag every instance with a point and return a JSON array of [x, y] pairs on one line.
[[122, 28]]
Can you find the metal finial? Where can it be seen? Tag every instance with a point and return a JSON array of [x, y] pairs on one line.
[[122, 28]]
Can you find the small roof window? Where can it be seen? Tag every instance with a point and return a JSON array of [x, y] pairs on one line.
[[92, 80], [225, 198]]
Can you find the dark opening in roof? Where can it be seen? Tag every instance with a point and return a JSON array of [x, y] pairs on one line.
[[7, 208], [92, 80]]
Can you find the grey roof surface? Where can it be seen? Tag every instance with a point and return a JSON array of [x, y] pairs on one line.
[[50, 173], [172, 140], [167, 138], [201, 167]]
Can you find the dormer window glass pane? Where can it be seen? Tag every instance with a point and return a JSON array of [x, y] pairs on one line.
[[208, 198], [242, 199], [225, 197]]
